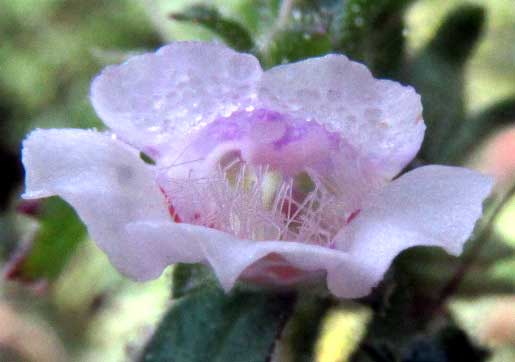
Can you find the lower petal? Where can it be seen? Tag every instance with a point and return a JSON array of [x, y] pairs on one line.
[[105, 181], [431, 205], [230, 257]]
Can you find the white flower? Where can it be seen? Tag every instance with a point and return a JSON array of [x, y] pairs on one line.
[[274, 177]]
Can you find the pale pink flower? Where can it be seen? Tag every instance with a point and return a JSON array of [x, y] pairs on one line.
[[274, 177]]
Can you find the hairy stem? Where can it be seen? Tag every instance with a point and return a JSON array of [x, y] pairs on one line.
[[282, 19]]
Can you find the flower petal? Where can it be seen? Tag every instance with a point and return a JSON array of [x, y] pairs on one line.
[[107, 184], [153, 97], [431, 205], [229, 256], [382, 119]]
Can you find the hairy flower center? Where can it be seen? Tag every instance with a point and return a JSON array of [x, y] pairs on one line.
[[263, 177], [259, 203]]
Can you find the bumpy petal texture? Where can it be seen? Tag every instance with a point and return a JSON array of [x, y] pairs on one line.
[[382, 119], [152, 100], [108, 185]]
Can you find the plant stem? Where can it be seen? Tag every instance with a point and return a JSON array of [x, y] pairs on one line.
[[282, 19]]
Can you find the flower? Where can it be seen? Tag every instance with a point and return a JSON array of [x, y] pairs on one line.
[[276, 176]]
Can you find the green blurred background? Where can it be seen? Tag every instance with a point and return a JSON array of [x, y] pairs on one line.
[[62, 301]]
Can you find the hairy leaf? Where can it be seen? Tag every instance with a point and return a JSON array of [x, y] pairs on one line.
[[371, 31], [188, 278], [296, 44], [209, 325], [233, 33]]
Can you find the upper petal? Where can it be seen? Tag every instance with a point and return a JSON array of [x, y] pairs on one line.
[[382, 119], [431, 205], [105, 181], [153, 97]]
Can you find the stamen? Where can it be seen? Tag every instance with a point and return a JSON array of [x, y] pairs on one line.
[[259, 203]]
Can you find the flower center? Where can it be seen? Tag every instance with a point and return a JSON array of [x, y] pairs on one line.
[[261, 176]]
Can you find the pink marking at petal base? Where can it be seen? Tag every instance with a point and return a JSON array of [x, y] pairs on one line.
[[353, 215], [171, 209], [274, 270]]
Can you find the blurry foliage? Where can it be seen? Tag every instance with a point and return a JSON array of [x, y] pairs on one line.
[[58, 233], [46, 65], [305, 327], [50, 51], [205, 324], [372, 32], [190, 278], [481, 127], [438, 74], [233, 33], [46, 62], [450, 344], [342, 332]]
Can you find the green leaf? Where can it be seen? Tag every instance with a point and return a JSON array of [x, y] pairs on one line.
[[58, 234], [303, 33], [405, 309], [400, 310], [295, 44], [457, 36], [431, 268], [395, 319], [187, 278], [371, 31], [303, 330], [209, 325], [438, 75], [233, 33]]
